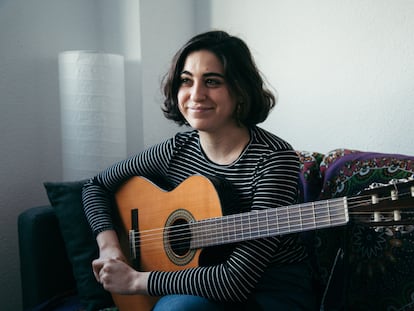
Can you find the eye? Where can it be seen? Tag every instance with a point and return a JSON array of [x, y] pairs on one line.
[[185, 81], [213, 82]]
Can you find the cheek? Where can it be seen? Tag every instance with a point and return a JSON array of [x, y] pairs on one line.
[[180, 101], [181, 109], [232, 107], [183, 97]]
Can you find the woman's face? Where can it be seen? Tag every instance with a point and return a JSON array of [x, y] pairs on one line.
[[204, 97]]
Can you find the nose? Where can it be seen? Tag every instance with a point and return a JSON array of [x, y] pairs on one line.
[[198, 92]]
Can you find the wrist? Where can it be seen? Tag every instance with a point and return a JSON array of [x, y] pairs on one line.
[[141, 284], [108, 244]]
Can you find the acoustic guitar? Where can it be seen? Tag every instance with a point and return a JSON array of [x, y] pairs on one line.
[[167, 230]]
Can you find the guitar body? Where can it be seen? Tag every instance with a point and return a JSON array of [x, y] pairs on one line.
[[157, 209]]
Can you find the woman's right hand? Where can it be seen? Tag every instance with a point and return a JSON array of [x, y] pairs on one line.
[[111, 268], [109, 248]]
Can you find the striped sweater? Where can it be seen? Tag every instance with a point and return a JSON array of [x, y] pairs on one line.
[[264, 176]]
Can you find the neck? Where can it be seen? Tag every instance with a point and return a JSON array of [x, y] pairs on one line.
[[225, 148]]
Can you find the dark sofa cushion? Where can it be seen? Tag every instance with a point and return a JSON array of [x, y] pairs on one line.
[[44, 266], [66, 199]]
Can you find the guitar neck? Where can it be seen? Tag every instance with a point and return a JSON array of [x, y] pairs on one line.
[[269, 222]]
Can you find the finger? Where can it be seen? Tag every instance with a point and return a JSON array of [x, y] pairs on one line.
[[96, 268]]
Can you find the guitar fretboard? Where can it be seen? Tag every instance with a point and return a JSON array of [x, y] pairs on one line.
[[269, 222]]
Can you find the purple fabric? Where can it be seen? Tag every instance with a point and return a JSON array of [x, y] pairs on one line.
[[310, 180], [345, 172]]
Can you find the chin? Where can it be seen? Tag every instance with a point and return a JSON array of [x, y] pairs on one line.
[[200, 126]]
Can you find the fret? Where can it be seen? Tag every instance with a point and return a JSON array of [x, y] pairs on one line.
[[322, 215], [281, 215], [212, 231], [273, 221], [224, 227], [230, 229], [263, 223], [313, 214], [238, 228], [295, 222], [337, 215], [308, 216], [248, 231], [220, 230], [267, 229], [198, 235], [254, 225]]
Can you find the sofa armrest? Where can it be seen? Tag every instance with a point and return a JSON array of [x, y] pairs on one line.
[[45, 268]]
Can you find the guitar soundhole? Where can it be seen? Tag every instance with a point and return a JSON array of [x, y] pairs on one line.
[[177, 237], [180, 237]]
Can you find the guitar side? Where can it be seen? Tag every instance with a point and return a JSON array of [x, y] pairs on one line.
[[157, 210]]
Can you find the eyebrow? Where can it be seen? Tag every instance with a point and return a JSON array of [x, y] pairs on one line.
[[207, 74]]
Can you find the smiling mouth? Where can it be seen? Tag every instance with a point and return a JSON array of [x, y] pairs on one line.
[[201, 109]]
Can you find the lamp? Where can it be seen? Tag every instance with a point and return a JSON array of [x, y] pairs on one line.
[[92, 98]]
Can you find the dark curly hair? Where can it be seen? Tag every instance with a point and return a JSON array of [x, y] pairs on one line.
[[240, 71]]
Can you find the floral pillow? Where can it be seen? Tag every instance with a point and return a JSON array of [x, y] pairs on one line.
[[346, 172], [310, 181]]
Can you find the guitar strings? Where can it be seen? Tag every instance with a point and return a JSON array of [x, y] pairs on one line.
[[208, 228], [289, 222]]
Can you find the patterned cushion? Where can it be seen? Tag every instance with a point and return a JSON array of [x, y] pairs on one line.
[[310, 180], [346, 172], [379, 264]]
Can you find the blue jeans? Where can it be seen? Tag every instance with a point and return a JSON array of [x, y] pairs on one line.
[[282, 288], [187, 303]]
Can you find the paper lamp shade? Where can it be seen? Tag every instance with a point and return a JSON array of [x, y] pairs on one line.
[[92, 98]]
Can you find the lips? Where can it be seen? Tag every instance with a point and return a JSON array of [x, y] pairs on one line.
[[199, 108]]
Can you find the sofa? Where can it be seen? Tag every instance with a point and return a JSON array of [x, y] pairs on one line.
[[359, 266]]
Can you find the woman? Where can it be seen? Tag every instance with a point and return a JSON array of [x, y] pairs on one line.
[[213, 86]]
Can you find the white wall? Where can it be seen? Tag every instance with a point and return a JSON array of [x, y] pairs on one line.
[[166, 25], [119, 31], [344, 71]]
